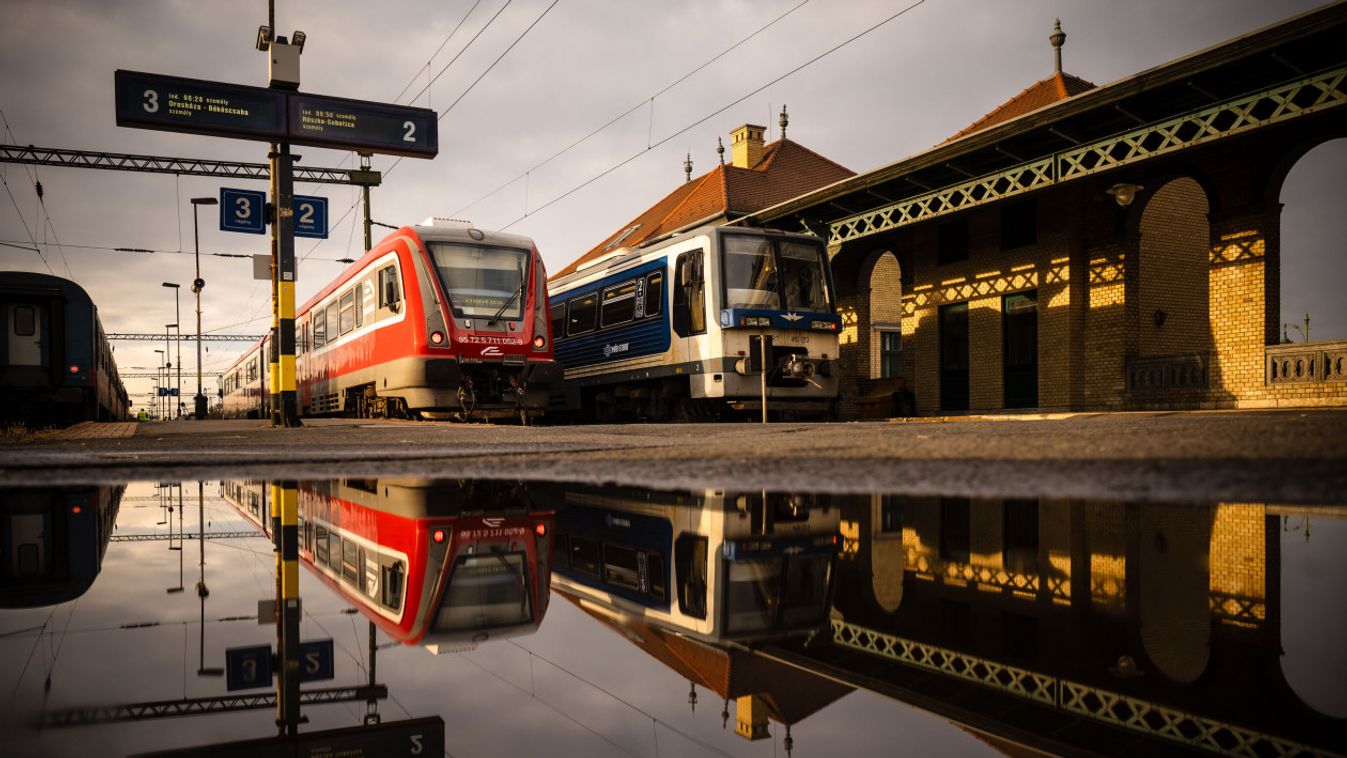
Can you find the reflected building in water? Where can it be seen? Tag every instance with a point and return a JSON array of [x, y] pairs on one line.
[[445, 564], [52, 542], [1159, 621]]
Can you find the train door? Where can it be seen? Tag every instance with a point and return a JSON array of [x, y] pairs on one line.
[[24, 327]]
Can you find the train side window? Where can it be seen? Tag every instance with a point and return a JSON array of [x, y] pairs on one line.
[[347, 310], [320, 544], [654, 569], [392, 585], [654, 294], [689, 313], [690, 574], [585, 555], [350, 561], [319, 327], [582, 313], [25, 321], [621, 567], [389, 294], [333, 332], [558, 321], [359, 304], [619, 304]]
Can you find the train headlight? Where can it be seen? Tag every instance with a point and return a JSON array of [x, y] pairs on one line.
[[826, 326], [539, 342], [755, 321], [541, 529], [437, 338], [74, 368], [437, 536]]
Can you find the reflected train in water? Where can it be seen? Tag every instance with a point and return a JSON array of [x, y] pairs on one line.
[[52, 542], [716, 566], [443, 564]]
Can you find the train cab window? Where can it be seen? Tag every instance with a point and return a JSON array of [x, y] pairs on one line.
[[619, 304], [654, 294], [582, 313], [319, 328], [347, 310], [690, 574], [25, 321], [689, 314], [558, 321], [584, 555], [389, 294]]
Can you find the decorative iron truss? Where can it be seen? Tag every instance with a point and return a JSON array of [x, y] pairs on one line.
[[190, 337], [1228, 119], [185, 535], [201, 706], [1073, 697], [156, 164]]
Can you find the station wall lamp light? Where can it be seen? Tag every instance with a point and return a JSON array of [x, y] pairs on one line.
[[1125, 192]]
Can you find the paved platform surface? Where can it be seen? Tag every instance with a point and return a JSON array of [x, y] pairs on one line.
[[1261, 456]]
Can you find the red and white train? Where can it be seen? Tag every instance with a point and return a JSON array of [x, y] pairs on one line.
[[437, 321], [441, 564]]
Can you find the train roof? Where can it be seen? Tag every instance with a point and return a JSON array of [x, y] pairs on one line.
[[34, 282]]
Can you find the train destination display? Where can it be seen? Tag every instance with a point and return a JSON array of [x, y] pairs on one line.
[[363, 126], [177, 104]]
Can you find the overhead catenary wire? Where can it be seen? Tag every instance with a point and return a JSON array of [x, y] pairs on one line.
[[634, 108], [412, 81], [717, 112]]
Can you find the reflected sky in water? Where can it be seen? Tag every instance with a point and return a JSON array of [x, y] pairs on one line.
[[1165, 604]]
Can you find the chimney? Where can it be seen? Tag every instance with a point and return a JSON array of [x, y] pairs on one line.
[[746, 145], [750, 711]]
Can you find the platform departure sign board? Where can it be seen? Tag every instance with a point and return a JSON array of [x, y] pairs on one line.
[[176, 104], [363, 126]]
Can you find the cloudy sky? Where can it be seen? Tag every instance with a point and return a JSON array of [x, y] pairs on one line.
[[894, 92]]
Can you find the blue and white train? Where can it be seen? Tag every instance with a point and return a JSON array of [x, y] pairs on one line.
[[678, 328]]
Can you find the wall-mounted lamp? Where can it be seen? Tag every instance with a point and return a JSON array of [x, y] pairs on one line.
[[1125, 192], [1160, 317], [297, 39]]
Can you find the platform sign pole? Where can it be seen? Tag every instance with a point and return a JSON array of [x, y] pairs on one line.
[[273, 355], [285, 498], [285, 286]]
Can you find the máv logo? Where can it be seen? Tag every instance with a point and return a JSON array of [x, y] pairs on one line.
[[494, 523], [491, 350], [608, 350]]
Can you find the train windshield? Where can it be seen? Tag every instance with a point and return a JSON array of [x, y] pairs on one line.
[[485, 590], [776, 593], [482, 281], [762, 272]]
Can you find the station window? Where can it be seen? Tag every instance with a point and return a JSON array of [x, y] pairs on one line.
[[347, 310], [1019, 224], [953, 242], [558, 313], [619, 304], [890, 355], [654, 294], [582, 313]]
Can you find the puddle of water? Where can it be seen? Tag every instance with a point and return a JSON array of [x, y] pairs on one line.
[[583, 620]]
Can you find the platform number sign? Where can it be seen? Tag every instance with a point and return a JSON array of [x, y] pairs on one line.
[[310, 216], [248, 667], [316, 661], [243, 211]]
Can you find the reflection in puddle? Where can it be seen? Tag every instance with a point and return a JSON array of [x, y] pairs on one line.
[[814, 621]]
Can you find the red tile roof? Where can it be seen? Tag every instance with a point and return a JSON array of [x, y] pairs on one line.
[[787, 169], [1059, 86]]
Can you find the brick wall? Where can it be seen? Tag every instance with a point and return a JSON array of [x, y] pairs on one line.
[[1172, 271]]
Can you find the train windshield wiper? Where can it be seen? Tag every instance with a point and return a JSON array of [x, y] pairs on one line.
[[517, 292]]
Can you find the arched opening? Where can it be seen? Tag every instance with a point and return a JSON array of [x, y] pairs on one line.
[[1174, 590], [1172, 282], [1313, 618], [886, 318], [1313, 227]]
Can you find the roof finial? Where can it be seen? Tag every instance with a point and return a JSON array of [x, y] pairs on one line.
[[1057, 38], [784, 120], [720, 149], [687, 166], [692, 695]]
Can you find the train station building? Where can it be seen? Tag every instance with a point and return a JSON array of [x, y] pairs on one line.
[[1086, 247]]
